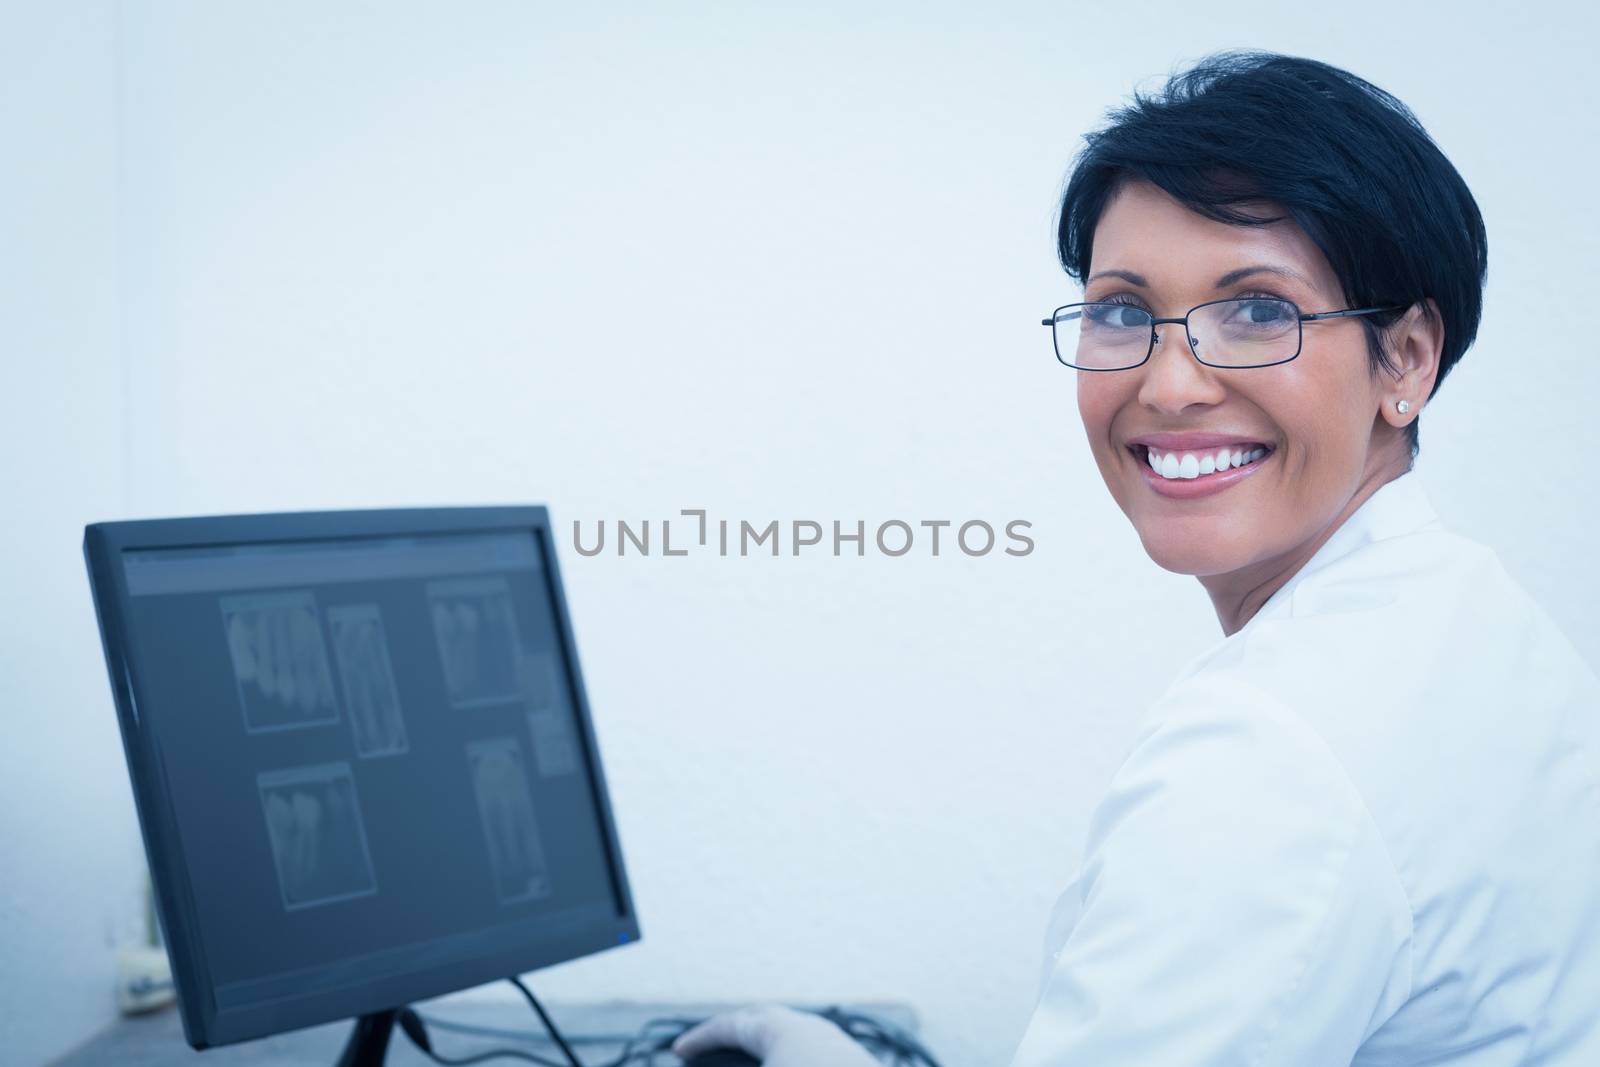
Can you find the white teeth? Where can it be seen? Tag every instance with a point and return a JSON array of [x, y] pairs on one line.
[[1193, 465]]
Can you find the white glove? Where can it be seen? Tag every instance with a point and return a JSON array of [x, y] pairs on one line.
[[778, 1036]]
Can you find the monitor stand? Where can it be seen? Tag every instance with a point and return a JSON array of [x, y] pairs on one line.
[[369, 1041]]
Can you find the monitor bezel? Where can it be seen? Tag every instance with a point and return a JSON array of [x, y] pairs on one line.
[[204, 1024]]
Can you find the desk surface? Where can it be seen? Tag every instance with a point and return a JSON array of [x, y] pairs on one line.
[[590, 1028]]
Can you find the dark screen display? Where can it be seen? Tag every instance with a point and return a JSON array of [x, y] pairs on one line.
[[373, 752]]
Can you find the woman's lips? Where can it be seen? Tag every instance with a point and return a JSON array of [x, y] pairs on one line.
[[1203, 485]]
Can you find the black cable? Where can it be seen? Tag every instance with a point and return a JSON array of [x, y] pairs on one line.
[[555, 1034], [678, 1026], [880, 1038], [872, 1032], [575, 1040], [411, 1024], [627, 1056]]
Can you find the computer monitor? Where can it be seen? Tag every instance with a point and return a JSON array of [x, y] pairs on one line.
[[362, 758]]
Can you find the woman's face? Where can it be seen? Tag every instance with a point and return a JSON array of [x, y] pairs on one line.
[[1318, 415]]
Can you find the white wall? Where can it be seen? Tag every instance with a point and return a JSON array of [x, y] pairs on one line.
[[70, 860], [776, 265]]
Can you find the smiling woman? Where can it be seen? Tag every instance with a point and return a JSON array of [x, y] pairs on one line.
[[1364, 827], [1312, 415]]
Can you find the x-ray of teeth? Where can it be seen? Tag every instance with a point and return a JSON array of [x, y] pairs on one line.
[[370, 696], [554, 751], [478, 642], [510, 831], [319, 844], [540, 680], [279, 661]]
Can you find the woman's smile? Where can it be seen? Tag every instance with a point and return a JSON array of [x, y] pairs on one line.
[[1185, 473]]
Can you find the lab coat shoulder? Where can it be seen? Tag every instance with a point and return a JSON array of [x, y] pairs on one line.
[[1385, 652], [1466, 720], [1236, 903], [1402, 623]]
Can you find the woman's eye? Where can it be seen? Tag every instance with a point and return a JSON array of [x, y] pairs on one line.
[[1119, 316], [1264, 312]]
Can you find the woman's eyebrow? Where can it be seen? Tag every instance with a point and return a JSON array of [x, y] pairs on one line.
[[1221, 283], [1244, 272], [1125, 275]]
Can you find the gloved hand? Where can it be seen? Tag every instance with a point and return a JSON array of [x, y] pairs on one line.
[[778, 1036]]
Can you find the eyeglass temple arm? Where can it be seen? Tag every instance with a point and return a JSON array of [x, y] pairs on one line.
[[1347, 313]]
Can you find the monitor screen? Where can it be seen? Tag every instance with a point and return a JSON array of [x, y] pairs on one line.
[[376, 764]]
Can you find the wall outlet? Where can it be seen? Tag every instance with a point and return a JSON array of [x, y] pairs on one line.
[[144, 980]]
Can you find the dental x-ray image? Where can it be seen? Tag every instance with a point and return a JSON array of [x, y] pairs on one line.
[[279, 661], [510, 830], [370, 697], [319, 844], [478, 642], [540, 679], [553, 750]]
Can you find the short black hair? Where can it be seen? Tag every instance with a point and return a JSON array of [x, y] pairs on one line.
[[1349, 163]]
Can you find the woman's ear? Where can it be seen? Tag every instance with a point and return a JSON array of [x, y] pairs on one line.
[[1416, 343]]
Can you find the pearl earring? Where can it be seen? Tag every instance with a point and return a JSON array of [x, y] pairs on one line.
[[1402, 407]]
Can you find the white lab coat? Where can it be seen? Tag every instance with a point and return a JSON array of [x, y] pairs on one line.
[[1364, 829]]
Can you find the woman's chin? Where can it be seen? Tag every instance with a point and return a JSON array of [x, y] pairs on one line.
[[1186, 556]]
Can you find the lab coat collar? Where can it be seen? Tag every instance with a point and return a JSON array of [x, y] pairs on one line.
[[1398, 507]]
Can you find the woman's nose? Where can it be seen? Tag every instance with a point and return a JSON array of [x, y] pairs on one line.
[[1173, 377]]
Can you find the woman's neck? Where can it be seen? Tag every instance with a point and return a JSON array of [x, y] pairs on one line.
[[1238, 595]]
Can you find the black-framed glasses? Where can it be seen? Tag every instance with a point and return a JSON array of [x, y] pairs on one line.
[[1249, 331]]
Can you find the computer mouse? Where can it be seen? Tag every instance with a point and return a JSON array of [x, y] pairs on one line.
[[727, 1056]]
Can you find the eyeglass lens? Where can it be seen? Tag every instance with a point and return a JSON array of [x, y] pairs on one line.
[[1248, 332]]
